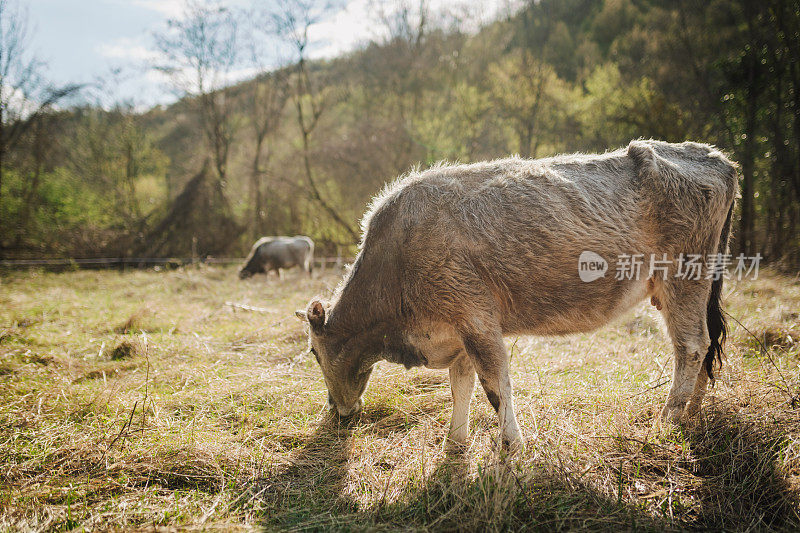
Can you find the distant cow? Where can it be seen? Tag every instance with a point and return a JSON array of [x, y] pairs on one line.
[[455, 257], [278, 253]]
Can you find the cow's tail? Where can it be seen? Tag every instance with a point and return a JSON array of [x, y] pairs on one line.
[[715, 320]]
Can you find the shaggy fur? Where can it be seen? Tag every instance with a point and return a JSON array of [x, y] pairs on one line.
[[455, 257]]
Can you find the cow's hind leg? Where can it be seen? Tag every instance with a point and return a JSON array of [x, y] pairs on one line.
[[462, 385], [488, 355], [696, 400], [685, 313]]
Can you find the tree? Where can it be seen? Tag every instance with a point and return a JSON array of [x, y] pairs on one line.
[[200, 53], [521, 85], [738, 86], [112, 152], [264, 102], [292, 23], [24, 94]]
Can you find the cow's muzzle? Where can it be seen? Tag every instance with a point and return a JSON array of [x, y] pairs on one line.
[[344, 412]]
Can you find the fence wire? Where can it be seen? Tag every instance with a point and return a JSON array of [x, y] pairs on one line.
[[144, 261]]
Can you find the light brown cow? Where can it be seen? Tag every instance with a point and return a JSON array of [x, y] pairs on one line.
[[455, 257]]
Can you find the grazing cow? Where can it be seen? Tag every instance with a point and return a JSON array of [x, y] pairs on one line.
[[277, 253], [455, 257]]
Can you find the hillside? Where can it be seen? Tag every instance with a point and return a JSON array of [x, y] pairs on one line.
[[558, 76]]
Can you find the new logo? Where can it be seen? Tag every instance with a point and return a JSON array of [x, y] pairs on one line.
[[591, 266]]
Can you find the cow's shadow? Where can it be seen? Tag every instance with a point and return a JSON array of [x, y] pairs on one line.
[[742, 486], [308, 490], [311, 490]]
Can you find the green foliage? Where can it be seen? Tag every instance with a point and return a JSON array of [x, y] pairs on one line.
[[558, 76], [613, 109], [453, 129], [63, 201]]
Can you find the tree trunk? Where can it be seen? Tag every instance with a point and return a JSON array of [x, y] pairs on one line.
[[315, 194], [747, 243], [255, 185], [30, 195], [303, 88], [2, 163]]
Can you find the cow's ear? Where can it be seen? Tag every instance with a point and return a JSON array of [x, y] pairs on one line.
[[300, 314], [316, 314]]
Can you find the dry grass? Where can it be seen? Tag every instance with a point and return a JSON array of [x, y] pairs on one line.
[[141, 400]]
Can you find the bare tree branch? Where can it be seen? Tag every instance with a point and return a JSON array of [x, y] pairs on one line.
[[201, 51], [292, 22], [24, 94]]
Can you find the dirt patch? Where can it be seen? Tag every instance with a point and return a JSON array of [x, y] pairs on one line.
[[127, 349], [783, 338], [36, 359], [143, 319]]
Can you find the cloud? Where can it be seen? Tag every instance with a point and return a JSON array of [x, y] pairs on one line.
[[359, 22], [343, 31], [170, 8], [128, 48], [355, 24]]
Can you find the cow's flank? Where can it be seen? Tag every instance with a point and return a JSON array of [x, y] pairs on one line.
[[455, 257]]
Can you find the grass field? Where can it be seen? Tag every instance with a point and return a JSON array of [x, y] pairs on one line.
[[143, 400]]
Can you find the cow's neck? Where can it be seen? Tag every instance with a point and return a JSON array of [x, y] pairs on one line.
[[369, 294], [365, 312]]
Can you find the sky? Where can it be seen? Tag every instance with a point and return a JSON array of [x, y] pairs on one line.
[[86, 41]]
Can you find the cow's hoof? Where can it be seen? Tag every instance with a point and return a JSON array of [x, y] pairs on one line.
[[512, 447], [455, 447], [673, 413]]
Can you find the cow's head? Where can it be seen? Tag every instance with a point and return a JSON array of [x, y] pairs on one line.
[[244, 273], [346, 373]]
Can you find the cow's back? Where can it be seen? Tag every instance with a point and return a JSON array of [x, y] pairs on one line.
[[286, 252], [517, 228]]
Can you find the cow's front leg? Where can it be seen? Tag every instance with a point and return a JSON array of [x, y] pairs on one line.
[[488, 355], [462, 385]]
